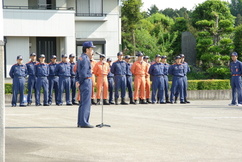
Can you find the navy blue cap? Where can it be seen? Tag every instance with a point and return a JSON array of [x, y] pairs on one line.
[[42, 56], [120, 53], [127, 57], [163, 57], [64, 55], [182, 55], [19, 57], [139, 54], [177, 57], [102, 56], [53, 57], [109, 60], [33, 54], [88, 44], [157, 56], [146, 57], [72, 55], [234, 54]]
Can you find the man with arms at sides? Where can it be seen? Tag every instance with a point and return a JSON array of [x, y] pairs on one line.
[[101, 70], [147, 80], [32, 78], [84, 75], [110, 82], [236, 72]]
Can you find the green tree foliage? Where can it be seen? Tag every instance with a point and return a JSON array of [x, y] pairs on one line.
[[214, 23], [131, 15], [153, 10], [238, 39], [182, 12]]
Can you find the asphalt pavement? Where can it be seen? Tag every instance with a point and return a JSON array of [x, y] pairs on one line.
[[203, 131]]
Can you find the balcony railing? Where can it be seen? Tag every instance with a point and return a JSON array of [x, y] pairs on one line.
[[91, 14], [39, 7]]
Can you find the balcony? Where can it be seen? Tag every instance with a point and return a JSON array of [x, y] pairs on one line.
[[39, 7], [91, 17]]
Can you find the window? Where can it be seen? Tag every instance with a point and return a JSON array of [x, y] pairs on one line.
[[89, 8]]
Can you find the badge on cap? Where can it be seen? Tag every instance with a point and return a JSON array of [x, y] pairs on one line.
[[19, 57], [42, 56]]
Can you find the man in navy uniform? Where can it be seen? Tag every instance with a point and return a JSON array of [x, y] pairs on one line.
[[119, 69], [32, 78], [18, 72], [73, 79], [84, 75], [177, 70], [166, 80], [53, 80], [42, 72], [63, 70], [236, 72], [129, 79], [157, 72], [110, 82]]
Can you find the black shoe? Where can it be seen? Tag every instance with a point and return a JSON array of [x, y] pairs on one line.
[[168, 102], [175, 99], [75, 103], [98, 102], [153, 102], [143, 102], [68, 104], [172, 102], [187, 101], [111, 102], [123, 102], [116, 101], [38, 105], [13, 105], [162, 102], [182, 102], [132, 101], [29, 104], [46, 105], [105, 102], [87, 126], [93, 102], [50, 103], [59, 104], [22, 105], [148, 100], [135, 101]]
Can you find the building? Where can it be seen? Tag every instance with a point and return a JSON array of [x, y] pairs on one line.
[[59, 26]]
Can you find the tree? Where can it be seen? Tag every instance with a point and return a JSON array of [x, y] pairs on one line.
[[153, 10], [214, 23], [236, 10], [130, 17], [238, 39]]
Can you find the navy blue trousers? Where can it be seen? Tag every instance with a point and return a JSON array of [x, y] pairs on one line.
[[73, 89], [53, 85], [177, 87], [120, 83], [85, 104], [157, 85], [31, 86], [236, 89], [18, 87], [42, 82], [129, 82], [110, 88], [64, 84]]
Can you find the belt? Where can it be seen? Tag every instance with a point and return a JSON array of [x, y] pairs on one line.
[[88, 78], [119, 75], [236, 75], [20, 77], [128, 75], [159, 75], [53, 76], [110, 77]]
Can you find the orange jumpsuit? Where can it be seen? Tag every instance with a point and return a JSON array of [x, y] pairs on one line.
[[147, 83], [101, 70], [139, 70], [93, 63]]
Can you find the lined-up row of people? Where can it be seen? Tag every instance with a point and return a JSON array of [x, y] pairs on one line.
[[107, 76]]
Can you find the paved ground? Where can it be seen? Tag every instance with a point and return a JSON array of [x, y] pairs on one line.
[[204, 131]]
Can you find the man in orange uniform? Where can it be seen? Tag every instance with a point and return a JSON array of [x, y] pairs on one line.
[[101, 70], [93, 63], [147, 80], [139, 70]]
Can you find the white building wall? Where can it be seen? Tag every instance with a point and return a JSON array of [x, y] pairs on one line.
[[16, 46], [15, 2]]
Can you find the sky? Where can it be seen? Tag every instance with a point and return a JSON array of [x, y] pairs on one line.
[[175, 4]]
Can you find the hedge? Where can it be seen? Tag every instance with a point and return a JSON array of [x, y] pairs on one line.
[[192, 85]]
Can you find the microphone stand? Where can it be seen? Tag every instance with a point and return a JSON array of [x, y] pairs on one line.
[[102, 124]]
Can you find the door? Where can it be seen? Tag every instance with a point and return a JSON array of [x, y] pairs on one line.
[[47, 46]]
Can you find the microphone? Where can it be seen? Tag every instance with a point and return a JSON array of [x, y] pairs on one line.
[[100, 54]]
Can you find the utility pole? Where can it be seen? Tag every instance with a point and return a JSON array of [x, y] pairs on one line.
[[2, 90]]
